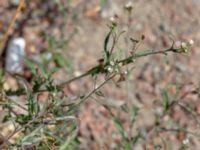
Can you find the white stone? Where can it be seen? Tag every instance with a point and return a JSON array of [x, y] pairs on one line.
[[15, 55]]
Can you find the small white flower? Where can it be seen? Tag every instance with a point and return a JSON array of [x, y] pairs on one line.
[[110, 69], [112, 63], [191, 42], [77, 73], [186, 141], [113, 20], [126, 72], [129, 5], [120, 64], [183, 45], [117, 70]]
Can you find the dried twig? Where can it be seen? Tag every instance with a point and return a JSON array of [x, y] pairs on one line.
[[19, 8]]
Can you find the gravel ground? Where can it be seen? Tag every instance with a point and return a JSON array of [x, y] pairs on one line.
[[161, 21]]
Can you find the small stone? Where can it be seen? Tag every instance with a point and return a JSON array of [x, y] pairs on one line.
[[15, 55], [15, 2]]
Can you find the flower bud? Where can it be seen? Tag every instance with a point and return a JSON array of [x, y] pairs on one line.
[[113, 21], [129, 6]]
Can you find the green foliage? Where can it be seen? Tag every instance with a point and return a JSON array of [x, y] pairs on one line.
[[51, 122], [31, 66], [127, 140], [165, 101]]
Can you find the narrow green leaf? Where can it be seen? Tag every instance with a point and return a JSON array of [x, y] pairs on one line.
[[59, 60], [37, 83], [45, 71], [134, 113], [33, 106], [119, 125], [165, 102], [106, 51], [22, 119], [31, 66], [135, 139]]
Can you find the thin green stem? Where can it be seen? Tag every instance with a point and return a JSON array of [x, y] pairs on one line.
[[100, 68]]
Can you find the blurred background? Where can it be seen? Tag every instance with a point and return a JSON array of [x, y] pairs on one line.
[[68, 35]]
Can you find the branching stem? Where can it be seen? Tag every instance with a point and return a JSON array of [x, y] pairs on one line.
[[100, 68]]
